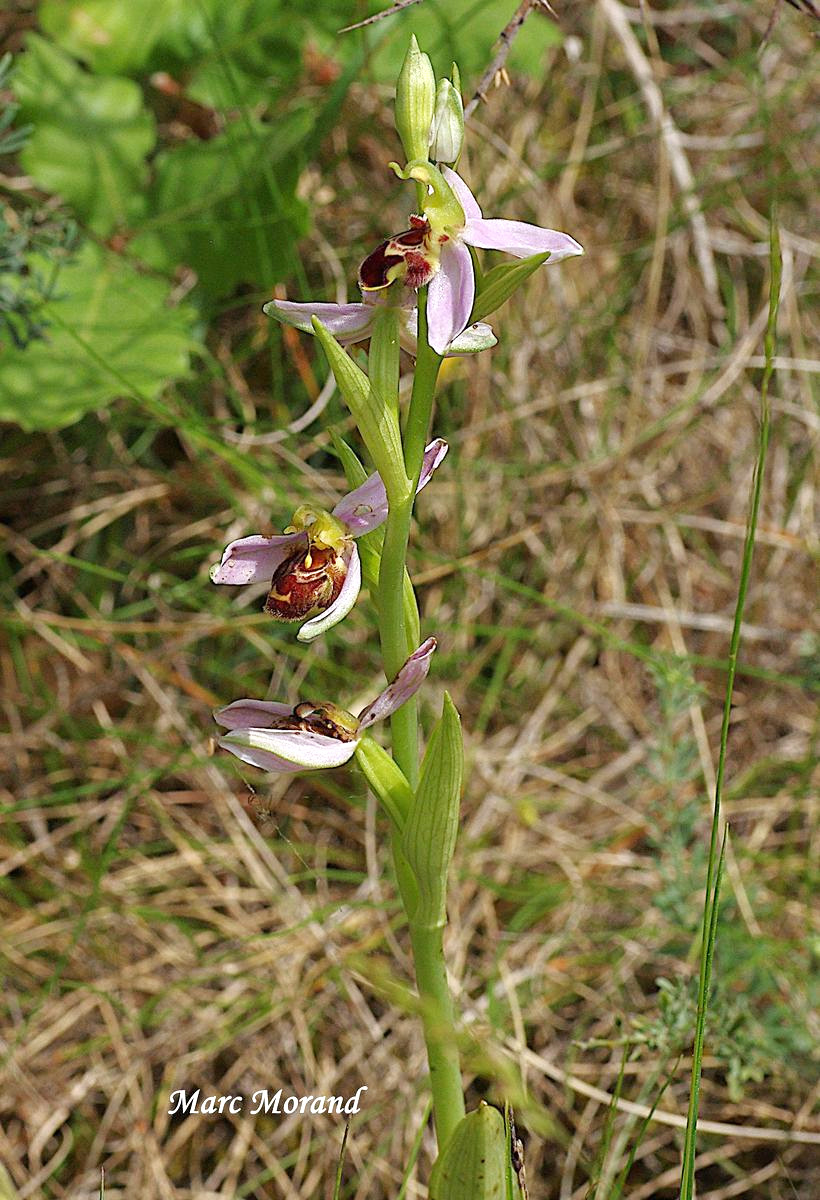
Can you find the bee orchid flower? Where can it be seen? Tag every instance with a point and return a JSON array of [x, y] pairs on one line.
[[434, 250], [276, 737], [313, 568]]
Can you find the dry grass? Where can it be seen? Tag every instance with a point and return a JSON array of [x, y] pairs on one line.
[[163, 927]]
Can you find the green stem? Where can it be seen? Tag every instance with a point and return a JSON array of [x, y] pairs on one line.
[[395, 635], [398, 629], [439, 1030]]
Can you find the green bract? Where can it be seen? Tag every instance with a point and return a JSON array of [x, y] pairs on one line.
[[494, 287], [432, 826], [386, 780], [377, 423], [475, 1163]]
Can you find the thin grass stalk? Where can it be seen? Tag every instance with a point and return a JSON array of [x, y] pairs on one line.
[[714, 867]]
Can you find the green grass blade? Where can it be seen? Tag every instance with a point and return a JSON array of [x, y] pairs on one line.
[[715, 865]]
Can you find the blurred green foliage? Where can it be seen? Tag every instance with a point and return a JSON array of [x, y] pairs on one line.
[[465, 30], [109, 330], [173, 130], [90, 137], [174, 133]]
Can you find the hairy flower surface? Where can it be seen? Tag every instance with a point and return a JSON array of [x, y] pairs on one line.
[[313, 567], [276, 737], [452, 221]]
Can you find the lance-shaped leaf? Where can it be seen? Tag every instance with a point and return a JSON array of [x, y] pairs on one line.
[[432, 826], [385, 779], [377, 423], [383, 360], [498, 284], [474, 1165], [353, 467]]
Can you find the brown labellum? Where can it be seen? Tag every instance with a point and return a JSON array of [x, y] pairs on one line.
[[307, 582], [319, 718], [407, 249], [308, 717]]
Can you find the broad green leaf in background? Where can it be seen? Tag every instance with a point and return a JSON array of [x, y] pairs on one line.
[[226, 207], [257, 48], [90, 138], [241, 52], [117, 37], [126, 338]]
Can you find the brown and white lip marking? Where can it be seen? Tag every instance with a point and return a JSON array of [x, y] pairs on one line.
[[407, 250], [307, 581]]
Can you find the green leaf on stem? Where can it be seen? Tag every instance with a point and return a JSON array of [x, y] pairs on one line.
[[377, 424], [432, 826], [370, 545], [474, 1165], [383, 360], [499, 283], [354, 469]]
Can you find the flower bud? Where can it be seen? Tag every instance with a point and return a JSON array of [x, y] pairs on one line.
[[415, 101], [447, 129]]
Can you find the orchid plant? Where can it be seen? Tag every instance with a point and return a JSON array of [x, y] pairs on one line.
[[422, 291]]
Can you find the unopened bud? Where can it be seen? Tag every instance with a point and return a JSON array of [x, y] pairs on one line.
[[447, 129], [415, 101]]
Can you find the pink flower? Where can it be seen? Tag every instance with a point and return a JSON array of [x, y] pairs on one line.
[[313, 567], [350, 323], [275, 737], [454, 222]]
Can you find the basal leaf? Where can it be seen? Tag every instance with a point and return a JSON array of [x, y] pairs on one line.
[[108, 331], [90, 136]]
